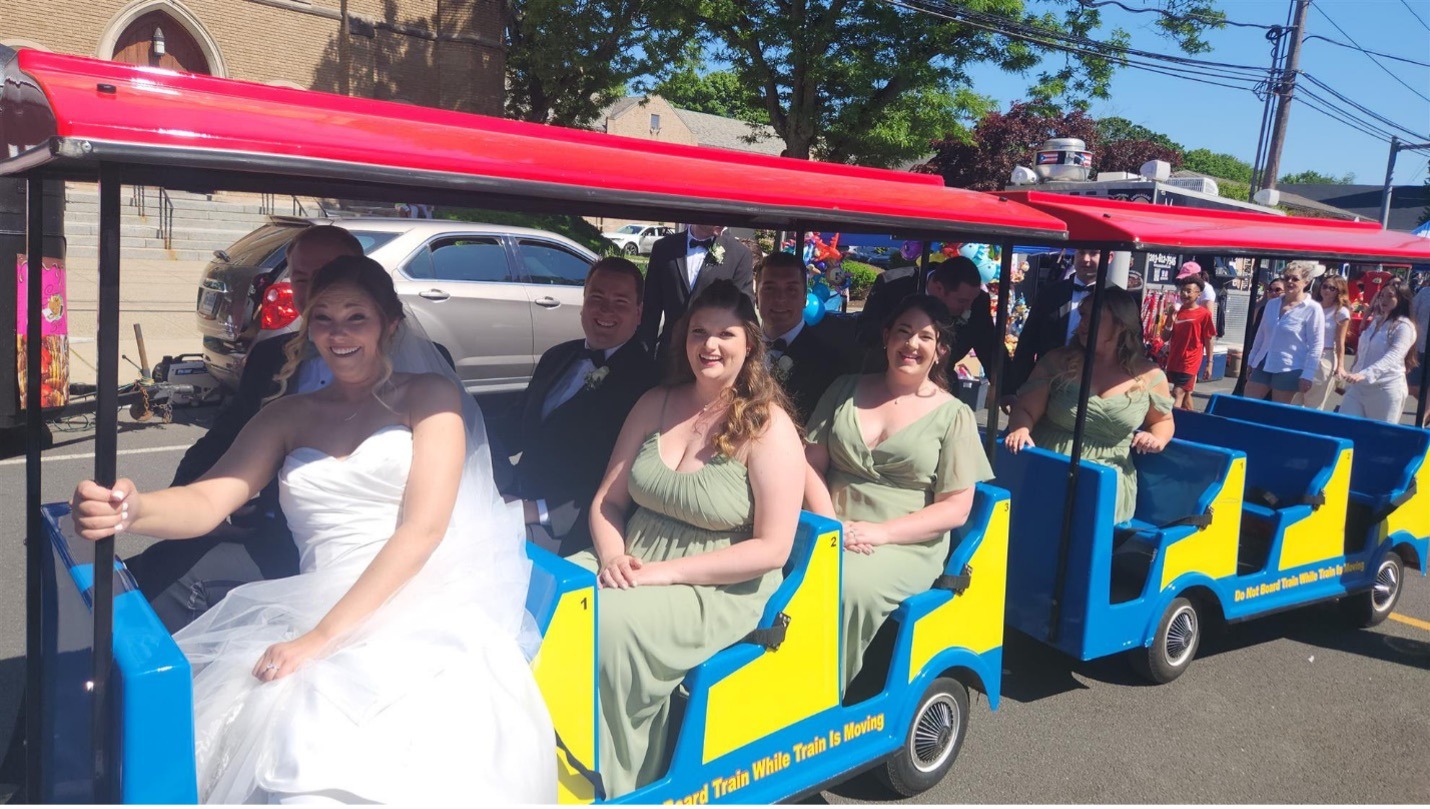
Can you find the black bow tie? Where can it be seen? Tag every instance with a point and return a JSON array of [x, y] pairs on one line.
[[705, 243], [597, 356], [780, 345]]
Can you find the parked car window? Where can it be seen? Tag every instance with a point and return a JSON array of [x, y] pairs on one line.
[[545, 263], [464, 258], [369, 239]]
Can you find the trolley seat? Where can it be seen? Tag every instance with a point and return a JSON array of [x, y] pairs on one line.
[[1297, 487], [151, 683], [1389, 480], [1117, 576]]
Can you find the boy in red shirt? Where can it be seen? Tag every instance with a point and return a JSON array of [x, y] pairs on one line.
[[1191, 332]]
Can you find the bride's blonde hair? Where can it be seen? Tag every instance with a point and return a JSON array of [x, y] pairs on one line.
[[372, 280]]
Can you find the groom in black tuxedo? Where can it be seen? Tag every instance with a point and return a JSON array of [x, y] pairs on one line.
[[681, 265], [181, 579], [573, 410], [800, 358], [1050, 322]]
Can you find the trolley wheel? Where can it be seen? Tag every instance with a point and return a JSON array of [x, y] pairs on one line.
[[1178, 635], [1377, 603], [631, 249], [934, 739]]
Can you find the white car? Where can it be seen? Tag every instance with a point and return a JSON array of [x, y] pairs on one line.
[[637, 239]]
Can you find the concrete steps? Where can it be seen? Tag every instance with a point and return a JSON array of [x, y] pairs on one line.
[[201, 223]]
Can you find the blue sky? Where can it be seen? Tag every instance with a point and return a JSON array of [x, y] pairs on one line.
[[1226, 120]]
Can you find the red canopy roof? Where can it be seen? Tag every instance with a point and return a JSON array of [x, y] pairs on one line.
[[185, 130], [1141, 226]]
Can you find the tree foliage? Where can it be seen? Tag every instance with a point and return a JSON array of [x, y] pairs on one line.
[[1311, 176], [566, 61], [715, 92], [1217, 164], [985, 160], [1114, 129], [868, 81]]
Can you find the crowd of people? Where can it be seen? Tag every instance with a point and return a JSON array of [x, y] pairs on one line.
[[353, 604]]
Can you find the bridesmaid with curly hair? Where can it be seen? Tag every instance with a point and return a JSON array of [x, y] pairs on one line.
[[711, 463]]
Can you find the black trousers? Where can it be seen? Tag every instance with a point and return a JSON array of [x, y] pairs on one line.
[[182, 578]]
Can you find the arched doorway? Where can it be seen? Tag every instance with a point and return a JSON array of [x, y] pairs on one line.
[[158, 40]]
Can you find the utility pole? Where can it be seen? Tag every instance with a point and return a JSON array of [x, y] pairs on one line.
[[1284, 89], [1396, 146]]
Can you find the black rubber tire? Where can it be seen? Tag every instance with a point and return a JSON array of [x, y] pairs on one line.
[[1376, 604], [631, 249], [1179, 633], [933, 740]]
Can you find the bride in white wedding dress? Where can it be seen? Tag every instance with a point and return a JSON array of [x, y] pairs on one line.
[[392, 668]]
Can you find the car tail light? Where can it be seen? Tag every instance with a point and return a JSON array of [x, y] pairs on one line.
[[277, 310]]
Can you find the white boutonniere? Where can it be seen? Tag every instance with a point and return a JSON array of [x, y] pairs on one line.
[[962, 320], [783, 366], [596, 377], [714, 255]]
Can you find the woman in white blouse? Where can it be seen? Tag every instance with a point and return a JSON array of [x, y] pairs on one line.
[[1287, 351], [1335, 305], [1377, 387]]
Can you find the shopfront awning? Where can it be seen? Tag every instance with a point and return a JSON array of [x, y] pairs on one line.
[[1177, 229]]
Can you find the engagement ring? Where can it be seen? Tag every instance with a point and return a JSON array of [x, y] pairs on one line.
[[270, 666]]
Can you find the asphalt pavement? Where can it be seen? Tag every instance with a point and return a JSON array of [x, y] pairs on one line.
[[1293, 708]]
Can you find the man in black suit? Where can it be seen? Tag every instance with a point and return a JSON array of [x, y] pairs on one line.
[[891, 287], [573, 410], [1050, 322], [681, 265], [959, 285], [801, 359], [183, 578]]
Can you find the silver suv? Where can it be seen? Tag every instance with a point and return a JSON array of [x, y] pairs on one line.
[[495, 297], [638, 239]]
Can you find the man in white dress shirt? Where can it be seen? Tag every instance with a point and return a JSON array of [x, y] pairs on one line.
[[681, 265]]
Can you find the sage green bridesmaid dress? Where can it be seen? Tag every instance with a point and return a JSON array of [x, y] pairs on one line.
[[650, 637], [1107, 436], [937, 454]]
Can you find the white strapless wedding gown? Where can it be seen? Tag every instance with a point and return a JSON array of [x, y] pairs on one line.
[[429, 700]]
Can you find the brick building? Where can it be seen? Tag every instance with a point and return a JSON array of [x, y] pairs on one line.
[[439, 53]]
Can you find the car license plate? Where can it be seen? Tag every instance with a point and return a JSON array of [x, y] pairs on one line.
[[208, 304]]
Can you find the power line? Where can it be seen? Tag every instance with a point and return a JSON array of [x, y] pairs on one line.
[[1185, 16], [1367, 54], [1415, 15], [1363, 109], [1367, 50]]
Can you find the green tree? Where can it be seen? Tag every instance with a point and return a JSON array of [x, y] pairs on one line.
[[717, 93], [1217, 164], [1111, 130], [868, 81], [1312, 176], [566, 61]]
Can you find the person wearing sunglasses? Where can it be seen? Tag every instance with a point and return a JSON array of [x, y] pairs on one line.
[[1286, 353]]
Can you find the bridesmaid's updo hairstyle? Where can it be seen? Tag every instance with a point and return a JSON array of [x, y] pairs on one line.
[[755, 392], [938, 314], [369, 277]]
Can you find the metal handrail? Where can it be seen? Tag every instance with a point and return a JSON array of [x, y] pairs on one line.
[[267, 203], [298, 209], [166, 218], [136, 198]]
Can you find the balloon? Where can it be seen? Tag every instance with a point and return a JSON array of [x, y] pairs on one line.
[[813, 309], [911, 250], [988, 270]]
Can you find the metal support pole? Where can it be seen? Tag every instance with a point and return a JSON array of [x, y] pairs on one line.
[[1389, 189], [993, 368], [1250, 336], [34, 524], [921, 281], [106, 440], [1424, 380], [1075, 457]]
